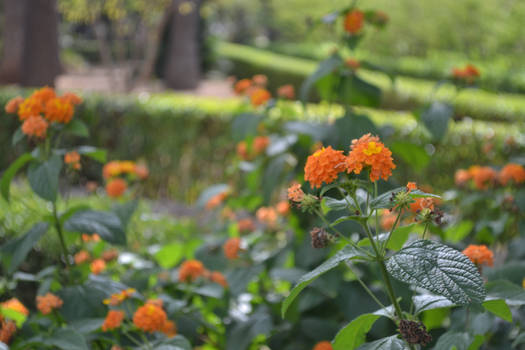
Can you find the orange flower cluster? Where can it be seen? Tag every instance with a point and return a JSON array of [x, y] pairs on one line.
[[353, 64], [479, 255], [283, 208], [484, 177], [82, 257], [191, 270], [41, 108], [231, 248], [245, 225], [150, 317], [260, 96], [47, 303], [15, 305], [73, 159], [97, 266], [115, 188], [254, 88], [422, 203], [110, 255], [467, 74], [388, 218], [324, 345], [7, 330], [113, 320], [248, 151], [286, 91], [118, 298], [324, 166], [90, 238], [117, 168], [216, 200], [371, 153], [295, 193], [268, 215], [353, 22]]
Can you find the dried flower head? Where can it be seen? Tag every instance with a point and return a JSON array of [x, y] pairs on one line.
[[320, 238], [414, 332]]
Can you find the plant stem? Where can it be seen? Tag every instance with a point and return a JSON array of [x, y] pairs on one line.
[[365, 287], [383, 249], [58, 227], [425, 230]]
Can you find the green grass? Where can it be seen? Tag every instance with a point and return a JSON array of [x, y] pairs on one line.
[[405, 93]]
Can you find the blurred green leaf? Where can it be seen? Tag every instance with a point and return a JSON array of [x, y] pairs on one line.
[[43, 177], [8, 175], [499, 308], [354, 334], [105, 224], [414, 155]]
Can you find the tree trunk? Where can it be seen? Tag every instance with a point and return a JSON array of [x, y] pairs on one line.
[[30, 50], [182, 66]]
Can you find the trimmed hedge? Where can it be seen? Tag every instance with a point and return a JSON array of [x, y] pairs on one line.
[[186, 140], [405, 93]]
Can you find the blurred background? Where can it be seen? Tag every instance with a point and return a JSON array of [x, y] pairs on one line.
[[130, 45]]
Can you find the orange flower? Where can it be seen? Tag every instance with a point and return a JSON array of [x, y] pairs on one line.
[[353, 64], [231, 248], [219, 278], [28, 108], [111, 169], [260, 96], [82, 257], [88, 238], [370, 152], [242, 86], [411, 186], [16, 305], [47, 303], [324, 345], [116, 347], [190, 270], [141, 171], [71, 157], [150, 318], [113, 320], [118, 298], [380, 18], [12, 105], [110, 255], [286, 91], [268, 215], [324, 166], [59, 110], [295, 193], [388, 219], [72, 98], [479, 255], [97, 266], [242, 150], [216, 200], [422, 203], [169, 329], [44, 94], [468, 74], [260, 80], [7, 329], [260, 143], [512, 172], [115, 188], [283, 208], [127, 167], [245, 225], [354, 21], [461, 177], [35, 126], [483, 177]]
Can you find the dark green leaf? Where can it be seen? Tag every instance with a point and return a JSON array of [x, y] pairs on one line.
[[383, 200], [176, 343], [15, 252], [8, 175], [439, 269], [356, 91], [414, 155], [346, 253], [77, 127], [453, 340], [501, 289], [499, 308], [125, 211], [436, 118], [245, 125], [324, 68], [67, 339], [350, 126], [43, 177], [390, 343], [106, 224], [68, 213], [430, 302], [100, 155], [458, 231], [354, 333], [17, 136]]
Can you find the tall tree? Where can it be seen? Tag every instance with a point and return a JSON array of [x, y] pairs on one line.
[[182, 65], [30, 43]]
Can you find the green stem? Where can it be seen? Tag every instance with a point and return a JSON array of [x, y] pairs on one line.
[[58, 227], [386, 278], [376, 211], [372, 295], [425, 230], [383, 249]]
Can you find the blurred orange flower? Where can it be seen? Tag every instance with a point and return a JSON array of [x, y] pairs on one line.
[[483, 176], [12, 105], [115, 188], [268, 215], [35, 126], [245, 225], [260, 143], [324, 345], [242, 86], [479, 255], [512, 172], [219, 278], [16, 305], [7, 330], [82, 257], [97, 266], [47, 303], [150, 318], [118, 298], [231, 248], [461, 177], [283, 208], [286, 91], [353, 22], [295, 193], [113, 320], [260, 96], [190, 270]]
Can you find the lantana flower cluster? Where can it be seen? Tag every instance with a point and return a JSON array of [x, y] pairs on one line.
[[119, 173], [42, 109], [191, 270], [485, 177], [467, 74], [255, 89]]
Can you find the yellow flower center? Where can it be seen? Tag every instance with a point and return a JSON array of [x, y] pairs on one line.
[[372, 148], [318, 153]]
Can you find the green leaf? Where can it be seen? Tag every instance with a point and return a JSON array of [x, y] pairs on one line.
[[414, 155], [16, 316], [388, 343], [125, 211], [350, 126], [67, 339], [106, 224], [397, 240], [77, 127], [479, 340], [346, 253], [440, 269], [245, 125], [501, 289], [436, 119], [453, 340], [427, 302], [383, 200], [15, 251], [242, 333], [98, 154], [43, 177], [520, 339], [459, 231], [8, 175], [17, 136], [68, 213], [176, 343], [169, 255], [324, 68], [499, 308], [354, 333], [356, 91]]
